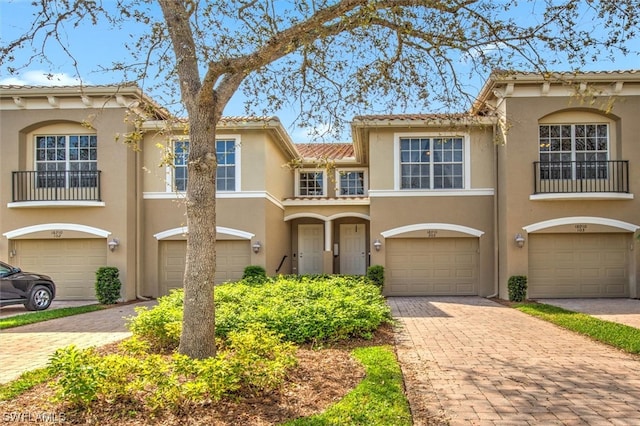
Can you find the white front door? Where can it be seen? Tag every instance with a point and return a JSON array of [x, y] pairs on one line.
[[352, 250], [310, 238]]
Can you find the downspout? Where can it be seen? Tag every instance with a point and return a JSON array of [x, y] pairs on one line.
[[496, 234], [138, 239]]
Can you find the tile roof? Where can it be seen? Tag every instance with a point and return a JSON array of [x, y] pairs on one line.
[[410, 117], [334, 151]]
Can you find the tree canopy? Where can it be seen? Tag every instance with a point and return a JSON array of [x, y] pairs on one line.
[[323, 58]]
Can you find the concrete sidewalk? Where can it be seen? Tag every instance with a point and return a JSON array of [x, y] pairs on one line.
[[29, 347], [623, 311], [471, 361]]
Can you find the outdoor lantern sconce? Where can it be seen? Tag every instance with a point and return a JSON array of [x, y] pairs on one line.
[[519, 240], [256, 247], [113, 244], [377, 244]]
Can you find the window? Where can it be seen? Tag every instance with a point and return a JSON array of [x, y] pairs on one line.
[[352, 183], [431, 163], [226, 153], [66, 161], [311, 183], [574, 151]]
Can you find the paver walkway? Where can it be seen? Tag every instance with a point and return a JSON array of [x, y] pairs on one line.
[[29, 347], [624, 311], [472, 361]]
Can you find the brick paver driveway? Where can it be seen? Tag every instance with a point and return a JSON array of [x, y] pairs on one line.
[[474, 362]]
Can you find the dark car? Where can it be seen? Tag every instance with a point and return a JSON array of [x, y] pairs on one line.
[[34, 291]]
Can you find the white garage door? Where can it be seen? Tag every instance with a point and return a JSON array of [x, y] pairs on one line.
[[232, 256], [431, 266], [578, 265], [72, 264]]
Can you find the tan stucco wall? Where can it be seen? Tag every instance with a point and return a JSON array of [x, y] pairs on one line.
[[468, 211], [516, 185], [383, 156], [115, 161]]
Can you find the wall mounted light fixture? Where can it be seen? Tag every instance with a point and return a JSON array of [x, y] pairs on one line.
[[256, 247], [377, 244], [519, 240], [113, 244]]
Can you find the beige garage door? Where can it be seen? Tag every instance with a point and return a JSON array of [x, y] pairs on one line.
[[232, 257], [578, 265], [72, 264], [431, 266]]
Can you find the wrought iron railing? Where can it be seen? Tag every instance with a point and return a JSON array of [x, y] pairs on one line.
[[64, 185], [580, 176]]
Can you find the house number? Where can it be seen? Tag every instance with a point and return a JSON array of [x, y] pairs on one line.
[[56, 234], [432, 233], [581, 228]]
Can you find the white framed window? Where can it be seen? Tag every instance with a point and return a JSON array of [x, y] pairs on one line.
[[311, 183], [432, 162], [352, 182], [574, 151], [227, 172], [66, 161]]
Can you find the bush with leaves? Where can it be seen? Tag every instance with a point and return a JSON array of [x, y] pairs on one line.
[[300, 308], [251, 361], [375, 273], [161, 325], [254, 274], [517, 288], [107, 285]]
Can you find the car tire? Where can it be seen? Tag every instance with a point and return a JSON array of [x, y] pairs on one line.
[[40, 298]]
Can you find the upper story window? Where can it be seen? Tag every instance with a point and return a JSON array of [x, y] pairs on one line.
[[352, 183], [431, 162], [574, 151], [226, 174], [311, 183], [67, 161]]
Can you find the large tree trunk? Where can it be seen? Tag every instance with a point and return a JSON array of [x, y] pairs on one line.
[[198, 328]]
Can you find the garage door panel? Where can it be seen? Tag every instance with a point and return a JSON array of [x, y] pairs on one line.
[[72, 263], [442, 266], [578, 265], [232, 257]]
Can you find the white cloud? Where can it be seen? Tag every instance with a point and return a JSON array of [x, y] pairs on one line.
[[41, 78]]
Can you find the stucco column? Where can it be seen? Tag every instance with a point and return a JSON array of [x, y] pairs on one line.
[[327, 254]]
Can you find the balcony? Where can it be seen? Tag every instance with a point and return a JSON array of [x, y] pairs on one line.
[[576, 177], [51, 186]]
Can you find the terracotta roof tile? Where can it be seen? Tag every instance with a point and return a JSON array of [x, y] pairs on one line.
[[334, 151], [410, 117]]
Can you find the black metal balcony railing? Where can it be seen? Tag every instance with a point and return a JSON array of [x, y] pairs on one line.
[[580, 176], [64, 185]]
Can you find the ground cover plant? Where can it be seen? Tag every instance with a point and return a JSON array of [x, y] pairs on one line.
[[34, 317], [618, 335], [257, 377]]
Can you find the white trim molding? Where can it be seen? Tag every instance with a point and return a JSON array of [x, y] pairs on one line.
[[183, 230], [57, 227], [582, 196], [479, 192], [432, 226], [326, 218], [581, 219], [54, 204]]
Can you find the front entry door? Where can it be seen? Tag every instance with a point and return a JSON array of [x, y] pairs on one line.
[[310, 238], [352, 250]]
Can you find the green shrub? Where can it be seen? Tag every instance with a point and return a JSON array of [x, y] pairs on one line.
[[80, 375], [255, 360], [301, 309], [107, 285], [161, 325], [517, 288], [255, 274], [376, 274]]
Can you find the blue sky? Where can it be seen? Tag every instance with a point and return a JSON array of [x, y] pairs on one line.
[[94, 45]]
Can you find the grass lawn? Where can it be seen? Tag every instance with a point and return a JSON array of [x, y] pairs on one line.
[[38, 316], [617, 335]]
